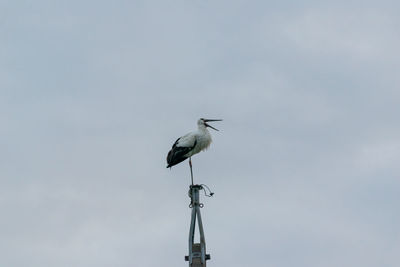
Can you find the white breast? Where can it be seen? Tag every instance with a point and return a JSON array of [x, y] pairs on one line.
[[203, 141]]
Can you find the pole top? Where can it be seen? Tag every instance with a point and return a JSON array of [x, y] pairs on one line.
[[196, 186]]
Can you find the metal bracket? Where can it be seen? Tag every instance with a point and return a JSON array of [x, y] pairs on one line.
[[197, 251]]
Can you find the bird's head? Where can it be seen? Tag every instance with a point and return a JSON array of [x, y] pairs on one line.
[[203, 122]]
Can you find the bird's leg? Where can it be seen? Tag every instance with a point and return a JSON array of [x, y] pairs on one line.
[[191, 171]]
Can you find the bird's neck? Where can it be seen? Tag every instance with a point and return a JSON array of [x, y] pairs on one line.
[[203, 128]]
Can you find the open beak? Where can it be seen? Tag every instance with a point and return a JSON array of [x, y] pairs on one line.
[[208, 125]]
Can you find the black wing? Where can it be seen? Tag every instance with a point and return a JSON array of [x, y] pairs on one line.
[[177, 153]]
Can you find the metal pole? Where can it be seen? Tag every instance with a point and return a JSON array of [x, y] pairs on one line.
[[197, 251]]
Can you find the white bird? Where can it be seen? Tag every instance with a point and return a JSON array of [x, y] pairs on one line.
[[190, 144]]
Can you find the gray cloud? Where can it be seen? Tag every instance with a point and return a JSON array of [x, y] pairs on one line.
[[304, 168]]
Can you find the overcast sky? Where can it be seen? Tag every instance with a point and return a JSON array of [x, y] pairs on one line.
[[305, 167]]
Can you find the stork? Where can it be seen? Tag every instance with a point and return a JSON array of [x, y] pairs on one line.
[[190, 144]]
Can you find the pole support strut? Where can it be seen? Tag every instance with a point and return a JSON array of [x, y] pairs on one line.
[[197, 251]]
